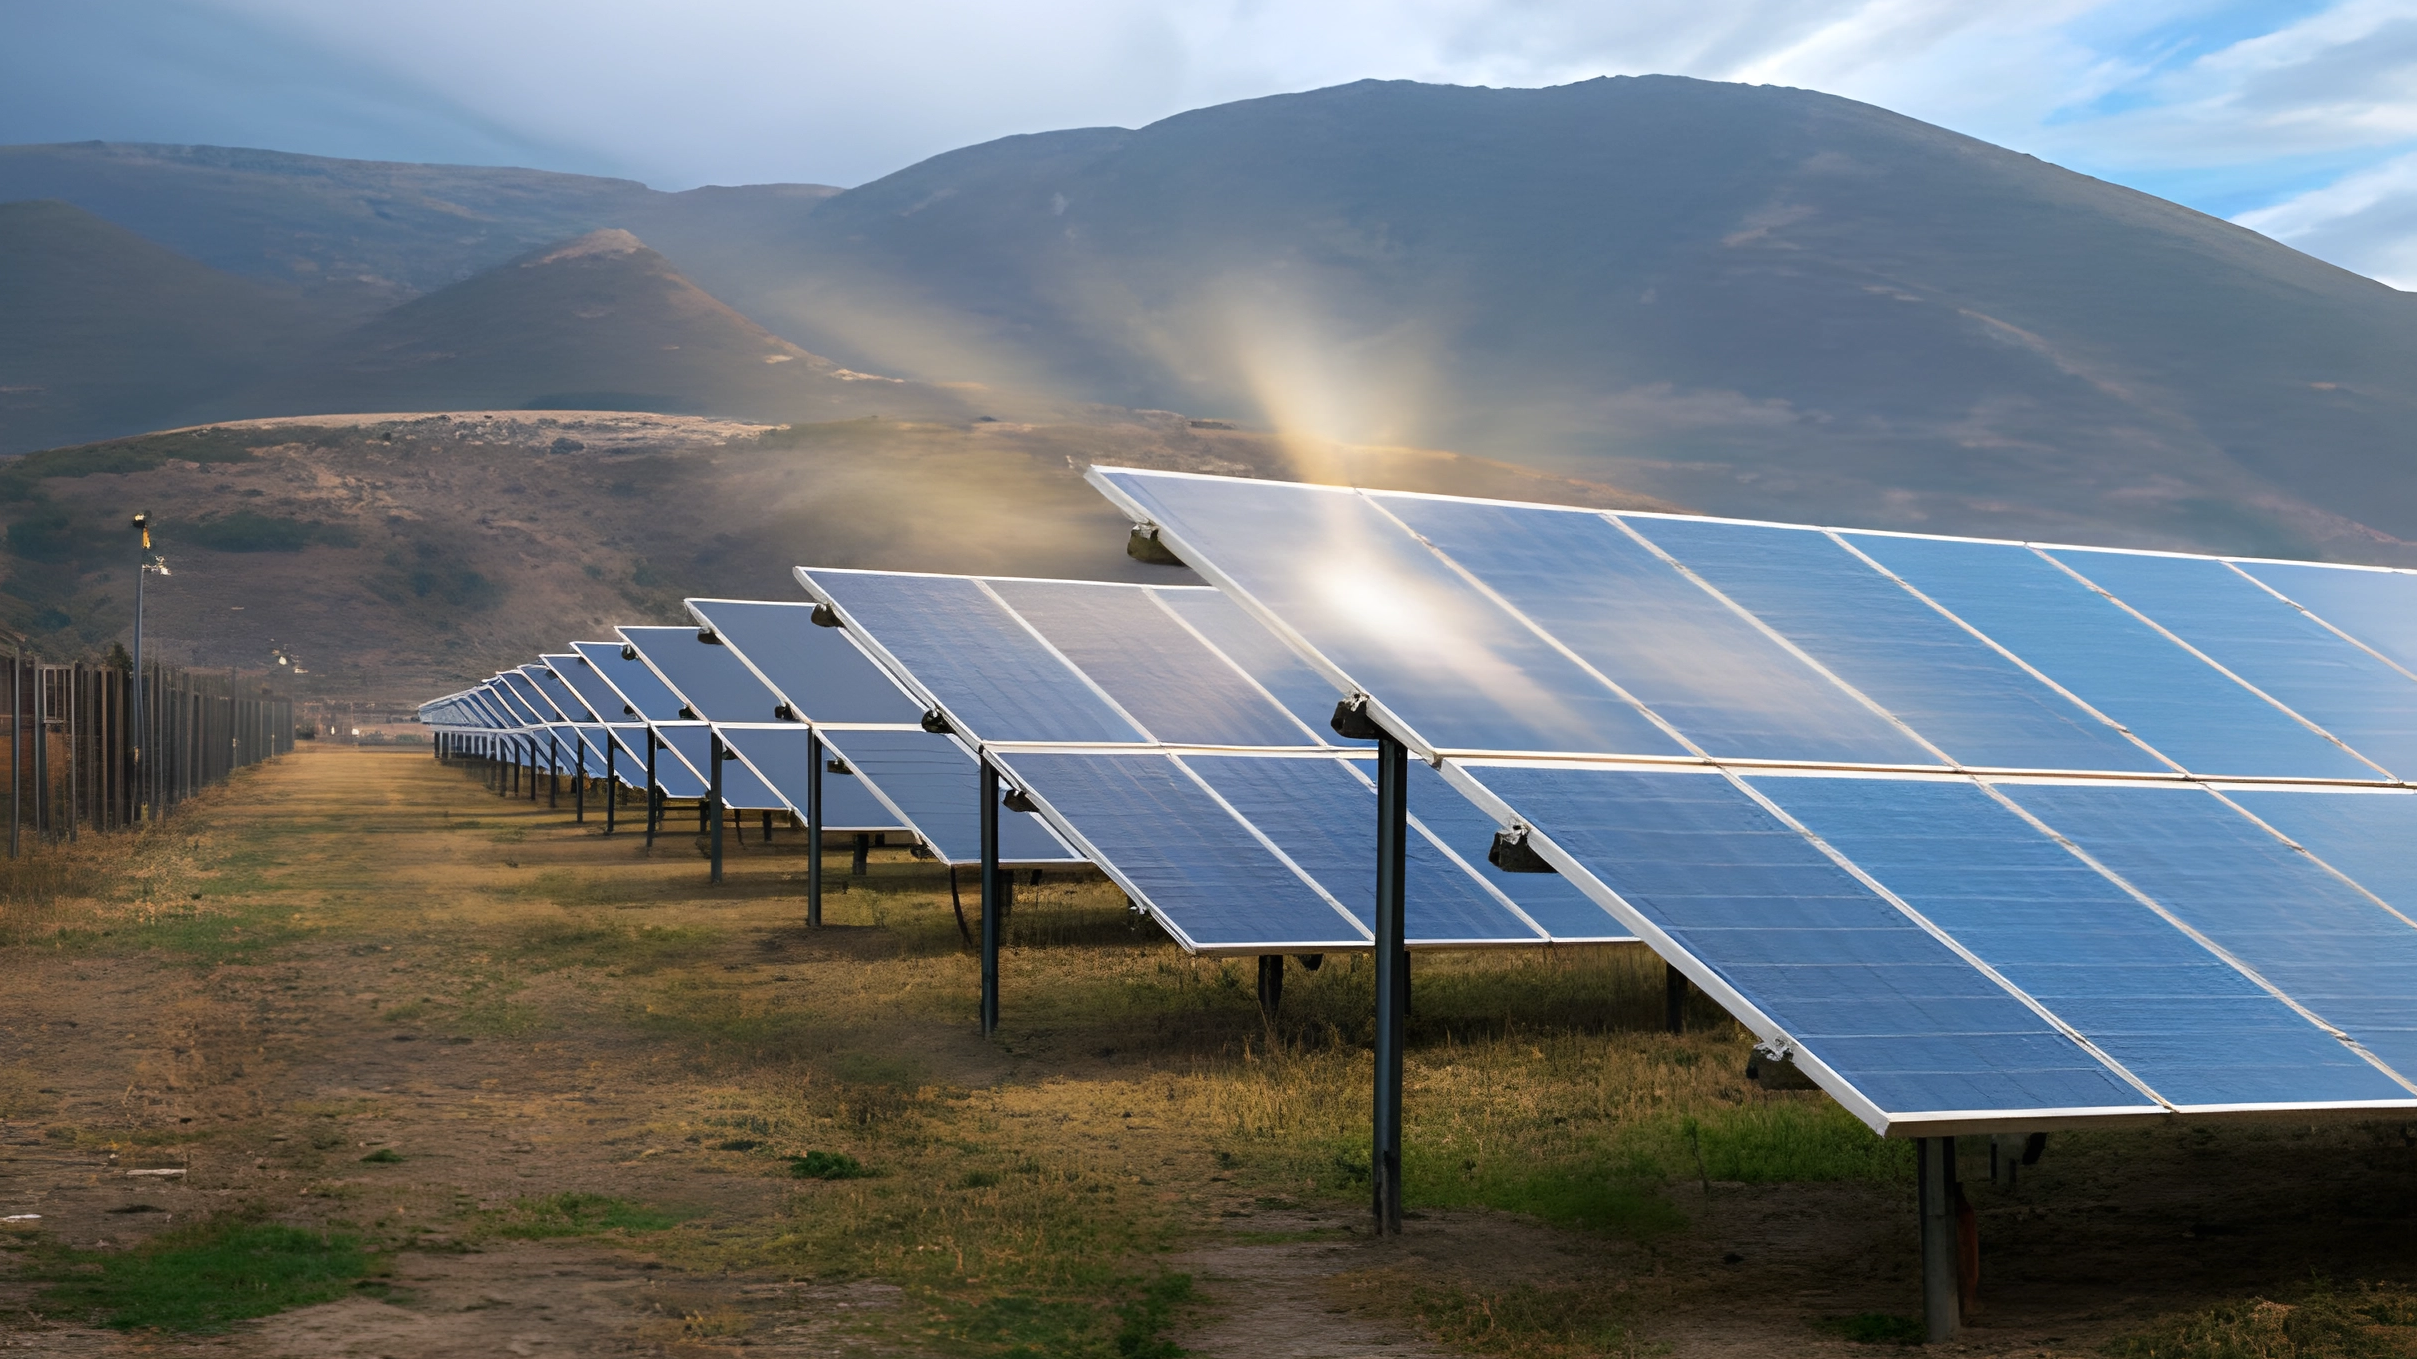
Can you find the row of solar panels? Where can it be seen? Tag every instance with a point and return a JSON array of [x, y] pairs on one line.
[[1979, 834], [1156, 732]]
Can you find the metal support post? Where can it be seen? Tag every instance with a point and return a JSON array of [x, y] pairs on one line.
[[991, 893], [1271, 983], [864, 846], [767, 826], [813, 828], [579, 786], [654, 790], [1674, 999], [553, 770], [612, 782], [713, 802], [1392, 977], [1942, 1272]]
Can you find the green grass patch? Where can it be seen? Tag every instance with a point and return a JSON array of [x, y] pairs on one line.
[[206, 1277], [560, 1215], [1875, 1328], [1035, 1326], [631, 950], [383, 1156], [2369, 1322], [1526, 1320], [832, 1165]]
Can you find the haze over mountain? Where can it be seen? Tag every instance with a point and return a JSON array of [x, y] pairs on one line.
[[1749, 300]]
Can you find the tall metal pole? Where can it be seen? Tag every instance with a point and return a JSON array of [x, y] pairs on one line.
[[1392, 978], [612, 781], [16, 748], [992, 899], [142, 525], [579, 778]]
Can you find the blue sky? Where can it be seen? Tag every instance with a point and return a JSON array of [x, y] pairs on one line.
[[2295, 117]]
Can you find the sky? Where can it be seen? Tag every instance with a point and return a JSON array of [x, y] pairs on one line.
[[2297, 118]]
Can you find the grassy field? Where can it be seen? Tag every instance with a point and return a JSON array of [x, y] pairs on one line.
[[390, 1045]]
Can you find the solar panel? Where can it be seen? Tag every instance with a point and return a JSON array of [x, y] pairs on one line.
[[640, 692], [1171, 765], [927, 783], [2080, 911]]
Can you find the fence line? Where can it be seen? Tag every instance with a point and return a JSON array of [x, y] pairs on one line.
[[77, 761]]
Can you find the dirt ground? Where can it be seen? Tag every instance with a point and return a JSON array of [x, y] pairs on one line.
[[257, 1071]]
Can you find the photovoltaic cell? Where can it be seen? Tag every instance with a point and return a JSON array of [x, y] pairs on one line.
[[1161, 674], [1566, 914], [817, 670], [1647, 628], [1323, 817], [1161, 832], [2270, 644], [1897, 1014], [2176, 1015], [1981, 708], [935, 788], [998, 680], [778, 757], [1302, 691], [2315, 937], [2111, 660], [2379, 608], [639, 687], [2366, 834], [1386, 611], [716, 685], [741, 789]]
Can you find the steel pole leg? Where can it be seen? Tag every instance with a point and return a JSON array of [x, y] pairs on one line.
[[1392, 974], [579, 786], [612, 783], [814, 829], [654, 791], [1674, 999], [1942, 1273], [553, 770], [991, 894], [713, 802], [1271, 983], [864, 847]]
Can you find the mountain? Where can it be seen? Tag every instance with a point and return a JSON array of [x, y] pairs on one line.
[[359, 236], [1757, 300], [598, 323], [395, 557], [102, 331]]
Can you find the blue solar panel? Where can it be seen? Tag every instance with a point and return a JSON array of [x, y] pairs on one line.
[[1893, 1011], [934, 787], [1161, 834], [2299, 662], [691, 744], [1323, 816], [640, 688], [818, 671], [715, 685], [1966, 697], [2379, 608], [1159, 672], [2315, 937], [2111, 660], [2365, 834], [1384, 610], [1672, 644], [2176, 1015], [998, 680], [1303, 692], [778, 757], [1568, 915]]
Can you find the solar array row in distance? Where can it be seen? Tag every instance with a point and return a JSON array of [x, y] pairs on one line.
[[1206, 787], [929, 784], [2196, 895]]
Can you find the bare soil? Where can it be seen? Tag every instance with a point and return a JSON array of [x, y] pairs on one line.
[[260, 1075]]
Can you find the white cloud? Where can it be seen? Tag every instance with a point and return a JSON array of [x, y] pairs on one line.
[[2366, 221]]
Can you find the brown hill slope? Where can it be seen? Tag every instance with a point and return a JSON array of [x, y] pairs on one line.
[[396, 556], [101, 329], [597, 323]]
